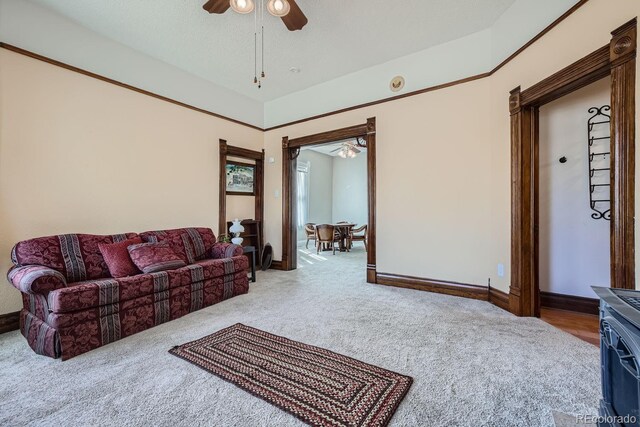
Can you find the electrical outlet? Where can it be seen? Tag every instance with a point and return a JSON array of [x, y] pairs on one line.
[[500, 270]]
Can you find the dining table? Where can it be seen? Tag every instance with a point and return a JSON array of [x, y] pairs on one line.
[[344, 229]]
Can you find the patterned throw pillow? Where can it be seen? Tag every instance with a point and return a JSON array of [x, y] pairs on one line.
[[193, 246], [152, 257], [117, 258]]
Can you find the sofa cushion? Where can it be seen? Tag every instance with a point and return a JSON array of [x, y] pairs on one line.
[[190, 244], [81, 331], [117, 257], [212, 268], [153, 257], [96, 293], [76, 256], [182, 300]]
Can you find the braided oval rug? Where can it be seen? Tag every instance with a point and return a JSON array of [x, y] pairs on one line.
[[318, 386]]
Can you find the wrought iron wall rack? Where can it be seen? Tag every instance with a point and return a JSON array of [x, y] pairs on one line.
[[599, 134]]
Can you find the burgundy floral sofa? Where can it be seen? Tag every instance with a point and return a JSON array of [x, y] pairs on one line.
[[71, 303]]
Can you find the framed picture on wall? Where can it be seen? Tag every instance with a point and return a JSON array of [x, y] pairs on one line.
[[241, 179]]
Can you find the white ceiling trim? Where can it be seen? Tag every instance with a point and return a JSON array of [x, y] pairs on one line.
[[465, 57], [341, 37], [471, 55], [38, 29]]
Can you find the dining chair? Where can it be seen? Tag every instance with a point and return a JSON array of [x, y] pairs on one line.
[[310, 231], [326, 233], [359, 237]]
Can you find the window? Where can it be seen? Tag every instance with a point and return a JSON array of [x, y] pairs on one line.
[[302, 192]]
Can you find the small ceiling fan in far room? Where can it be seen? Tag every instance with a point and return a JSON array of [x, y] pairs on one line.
[[287, 10], [349, 149]]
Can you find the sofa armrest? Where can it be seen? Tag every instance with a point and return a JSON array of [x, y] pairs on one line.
[[36, 279], [225, 250]]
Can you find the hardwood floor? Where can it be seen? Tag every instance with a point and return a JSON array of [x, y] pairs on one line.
[[581, 325]]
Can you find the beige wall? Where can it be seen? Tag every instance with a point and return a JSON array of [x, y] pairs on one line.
[[81, 155], [350, 196], [241, 207], [449, 180], [432, 178]]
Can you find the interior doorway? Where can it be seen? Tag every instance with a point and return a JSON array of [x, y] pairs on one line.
[[331, 199], [617, 60], [574, 198], [574, 241], [361, 137]]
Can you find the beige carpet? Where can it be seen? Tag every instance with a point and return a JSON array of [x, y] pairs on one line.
[[472, 363]]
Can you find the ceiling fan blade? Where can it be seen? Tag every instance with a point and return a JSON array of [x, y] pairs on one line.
[[337, 149], [295, 19], [216, 6], [355, 150]]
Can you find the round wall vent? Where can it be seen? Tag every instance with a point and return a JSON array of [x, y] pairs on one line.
[[397, 83]]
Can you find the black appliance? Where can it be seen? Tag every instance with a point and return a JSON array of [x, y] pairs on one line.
[[619, 357]]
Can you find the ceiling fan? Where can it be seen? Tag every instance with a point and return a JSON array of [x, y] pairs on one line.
[[349, 149], [287, 10]]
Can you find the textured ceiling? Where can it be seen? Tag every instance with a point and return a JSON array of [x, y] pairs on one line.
[[342, 36]]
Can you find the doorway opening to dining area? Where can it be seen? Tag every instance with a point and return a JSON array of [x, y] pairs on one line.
[[331, 203], [314, 227]]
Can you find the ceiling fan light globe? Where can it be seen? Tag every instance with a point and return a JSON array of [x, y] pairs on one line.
[[278, 8], [242, 6]]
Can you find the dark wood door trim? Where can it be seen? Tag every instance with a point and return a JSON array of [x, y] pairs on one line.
[[289, 253], [521, 295], [227, 151], [618, 60], [581, 73], [244, 153], [222, 206], [371, 186], [623, 116], [330, 136], [290, 152]]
